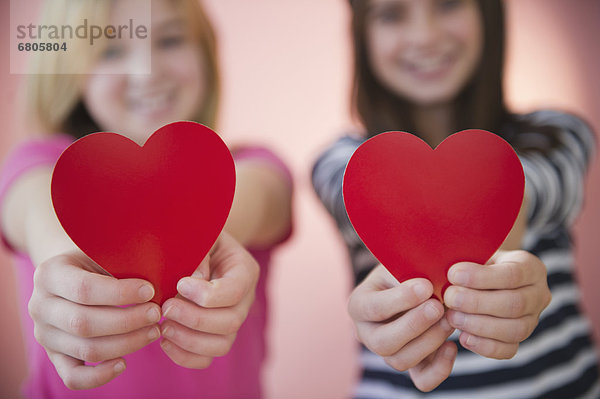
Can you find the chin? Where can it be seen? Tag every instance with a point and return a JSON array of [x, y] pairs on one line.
[[432, 101]]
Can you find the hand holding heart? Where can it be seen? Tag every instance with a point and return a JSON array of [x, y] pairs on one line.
[[78, 317], [78, 313], [202, 321], [496, 307], [433, 218], [148, 215], [404, 325]]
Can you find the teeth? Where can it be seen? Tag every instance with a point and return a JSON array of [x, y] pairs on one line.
[[428, 64], [151, 103]]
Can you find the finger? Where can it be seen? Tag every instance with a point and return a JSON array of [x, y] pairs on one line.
[[200, 343], [76, 375], [510, 331], [386, 339], [518, 270], [184, 358], [94, 321], [214, 321], [203, 270], [435, 369], [368, 304], [379, 279], [500, 303], [225, 291], [488, 347], [93, 350], [421, 347], [234, 274], [61, 278]]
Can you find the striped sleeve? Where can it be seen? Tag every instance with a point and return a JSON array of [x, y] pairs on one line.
[[554, 179], [328, 176], [327, 179]]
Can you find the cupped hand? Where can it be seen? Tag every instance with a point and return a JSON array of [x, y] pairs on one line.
[[81, 317], [201, 322], [404, 325], [498, 305]]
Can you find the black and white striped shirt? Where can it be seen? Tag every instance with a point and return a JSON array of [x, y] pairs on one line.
[[558, 360]]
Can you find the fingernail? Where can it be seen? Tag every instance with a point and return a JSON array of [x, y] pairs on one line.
[[166, 313], [154, 333], [431, 312], [472, 340], [420, 291], [460, 278], [458, 319], [146, 292], [153, 314], [119, 367], [184, 287], [167, 332]]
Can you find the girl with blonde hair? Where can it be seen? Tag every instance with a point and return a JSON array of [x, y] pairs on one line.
[[80, 334]]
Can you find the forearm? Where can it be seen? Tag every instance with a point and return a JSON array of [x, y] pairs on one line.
[[261, 209], [28, 219]]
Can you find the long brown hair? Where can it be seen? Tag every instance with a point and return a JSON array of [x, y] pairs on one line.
[[479, 105]]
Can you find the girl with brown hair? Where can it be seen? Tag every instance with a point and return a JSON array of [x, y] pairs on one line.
[[511, 329]]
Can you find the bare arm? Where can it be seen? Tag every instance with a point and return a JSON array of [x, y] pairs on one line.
[[261, 210], [28, 219]]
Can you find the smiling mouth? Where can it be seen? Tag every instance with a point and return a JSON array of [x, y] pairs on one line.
[[151, 105], [430, 68]]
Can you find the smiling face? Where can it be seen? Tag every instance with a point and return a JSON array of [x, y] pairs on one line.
[[135, 105], [424, 50]]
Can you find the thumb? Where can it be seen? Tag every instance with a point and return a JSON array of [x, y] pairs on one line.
[[203, 270]]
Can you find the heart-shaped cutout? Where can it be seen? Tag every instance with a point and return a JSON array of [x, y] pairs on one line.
[[150, 212], [419, 210]]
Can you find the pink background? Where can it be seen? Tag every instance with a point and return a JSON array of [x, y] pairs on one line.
[[287, 69]]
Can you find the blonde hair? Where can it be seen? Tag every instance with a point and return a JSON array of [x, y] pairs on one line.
[[53, 92]]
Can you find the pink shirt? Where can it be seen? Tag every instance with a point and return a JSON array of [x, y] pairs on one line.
[[150, 373]]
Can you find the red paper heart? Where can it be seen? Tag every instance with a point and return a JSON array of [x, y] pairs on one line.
[[419, 211], [150, 212]]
